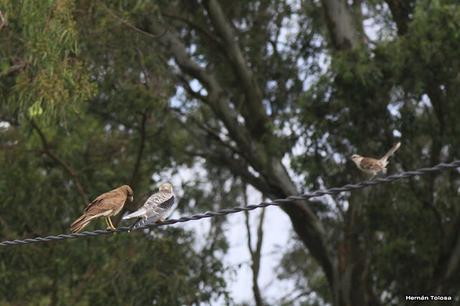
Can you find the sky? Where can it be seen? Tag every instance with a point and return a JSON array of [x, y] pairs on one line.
[[277, 228]]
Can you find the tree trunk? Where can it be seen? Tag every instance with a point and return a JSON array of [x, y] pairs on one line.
[[343, 28]]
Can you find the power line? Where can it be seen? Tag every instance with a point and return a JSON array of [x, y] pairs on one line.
[[223, 212]]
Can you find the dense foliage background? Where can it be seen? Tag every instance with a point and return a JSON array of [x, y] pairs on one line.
[[268, 93]]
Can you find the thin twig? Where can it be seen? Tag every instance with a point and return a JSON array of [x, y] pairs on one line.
[[47, 150], [3, 22], [131, 26]]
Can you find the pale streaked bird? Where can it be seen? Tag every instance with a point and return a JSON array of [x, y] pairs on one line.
[[373, 166], [156, 209], [106, 205]]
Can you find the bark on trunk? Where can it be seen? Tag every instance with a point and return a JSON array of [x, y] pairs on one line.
[[343, 28]]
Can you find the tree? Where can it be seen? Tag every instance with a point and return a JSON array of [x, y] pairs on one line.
[[278, 95], [57, 151]]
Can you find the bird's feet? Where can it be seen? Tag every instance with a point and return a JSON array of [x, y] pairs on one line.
[[162, 220], [110, 225]]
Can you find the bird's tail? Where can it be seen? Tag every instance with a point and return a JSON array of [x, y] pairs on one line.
[[135, 214], [139, 222], [80, 223], [385, 157]]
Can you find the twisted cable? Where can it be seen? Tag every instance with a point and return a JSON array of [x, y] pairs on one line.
[[222, 212]]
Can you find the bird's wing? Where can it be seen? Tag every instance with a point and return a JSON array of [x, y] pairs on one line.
[[368, 163], [111, 201], [157, 199], [157, 207], [159, 202]]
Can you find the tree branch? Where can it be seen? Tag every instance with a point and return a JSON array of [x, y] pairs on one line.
[[341, 24], [18, 65], [70, 171], [140, 150], [129, 25], [213, 134], [453, 263], [3, 22], [401, 10], [231, 159], [195, 26], [255, 114], [255, 254], [216, 96]]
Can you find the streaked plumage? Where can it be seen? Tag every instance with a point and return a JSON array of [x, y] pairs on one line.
[[106, 205], [157, 207], [373, 166]]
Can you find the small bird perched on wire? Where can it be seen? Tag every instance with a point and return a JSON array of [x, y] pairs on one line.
[[373, 166], [156, 209], [106, 205]]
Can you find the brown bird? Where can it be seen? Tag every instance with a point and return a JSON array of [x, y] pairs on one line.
[[106, 205], [373, 166]]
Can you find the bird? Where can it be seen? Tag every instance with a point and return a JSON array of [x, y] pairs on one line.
[[106, 205], [156, 209], [373, 166]]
